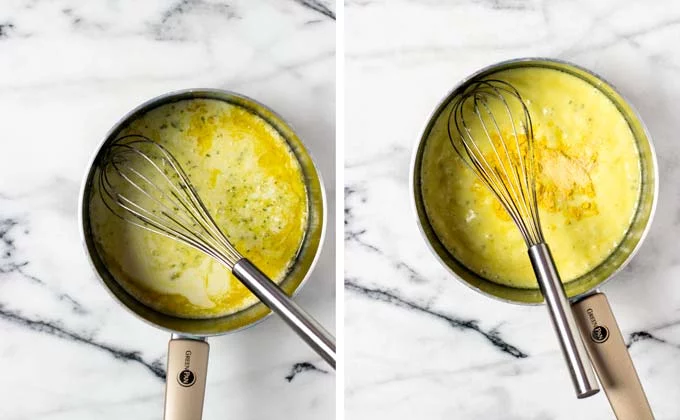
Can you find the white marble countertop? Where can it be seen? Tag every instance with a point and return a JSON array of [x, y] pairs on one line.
[[418, 343], [68, 71]]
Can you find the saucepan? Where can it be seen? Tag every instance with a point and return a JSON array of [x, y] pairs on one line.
[[599, 330], [188, 349]]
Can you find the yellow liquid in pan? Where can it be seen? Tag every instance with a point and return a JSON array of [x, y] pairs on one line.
[[588, 184], [250, 182]]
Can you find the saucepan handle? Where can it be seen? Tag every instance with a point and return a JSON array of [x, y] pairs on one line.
[[185, 382], [610, 356]]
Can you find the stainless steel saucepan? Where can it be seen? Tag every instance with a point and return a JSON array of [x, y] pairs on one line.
[[597, 325], [188, 349]]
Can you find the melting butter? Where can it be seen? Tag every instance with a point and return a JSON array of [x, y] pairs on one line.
[[251, 183]]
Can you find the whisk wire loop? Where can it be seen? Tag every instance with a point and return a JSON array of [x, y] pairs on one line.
[[142, 183], [490, 129]]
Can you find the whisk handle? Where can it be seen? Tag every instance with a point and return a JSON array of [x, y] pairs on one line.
[[573, 349], [278, 301]]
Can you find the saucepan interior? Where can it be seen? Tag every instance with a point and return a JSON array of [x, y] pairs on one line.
[[633, 237], [305, 259]]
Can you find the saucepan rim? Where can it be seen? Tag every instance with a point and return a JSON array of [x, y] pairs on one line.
[[203, 93], [414, 177]]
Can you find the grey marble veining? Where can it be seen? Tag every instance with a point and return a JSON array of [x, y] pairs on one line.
[[68, 71]]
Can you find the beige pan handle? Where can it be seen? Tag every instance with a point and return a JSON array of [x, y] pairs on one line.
[[610, 357], [185, 388]]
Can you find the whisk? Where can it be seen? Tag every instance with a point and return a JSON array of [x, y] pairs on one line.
[[142, 183], [490, 128]]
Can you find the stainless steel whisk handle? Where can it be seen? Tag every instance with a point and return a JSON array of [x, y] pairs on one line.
[[573, 349], [276, 299]]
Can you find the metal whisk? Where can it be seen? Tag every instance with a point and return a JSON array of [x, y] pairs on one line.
[[142, 183], [490, 128]]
